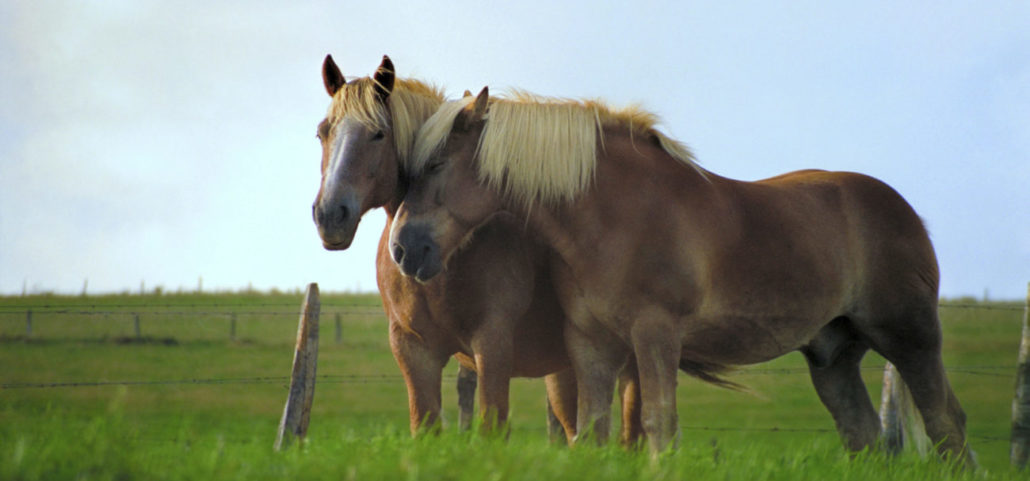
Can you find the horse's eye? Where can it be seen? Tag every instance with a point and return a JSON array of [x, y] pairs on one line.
[[434, 167], [378, 135]]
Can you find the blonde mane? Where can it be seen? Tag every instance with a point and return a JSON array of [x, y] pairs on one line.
[[539, 149], [411, 102]]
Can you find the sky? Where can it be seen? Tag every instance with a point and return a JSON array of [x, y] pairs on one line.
[[172, 144]]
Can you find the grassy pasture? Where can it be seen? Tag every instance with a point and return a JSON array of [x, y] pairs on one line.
[[83, 398]]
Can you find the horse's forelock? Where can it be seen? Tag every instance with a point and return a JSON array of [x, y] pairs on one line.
[[433, 134], [410, 103]]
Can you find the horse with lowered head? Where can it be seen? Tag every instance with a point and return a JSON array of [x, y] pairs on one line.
[[659, 258]]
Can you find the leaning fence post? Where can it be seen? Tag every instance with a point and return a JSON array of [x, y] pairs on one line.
[[1021, 404], [297, 412], [890, 410], [466, 397], [902, 424]]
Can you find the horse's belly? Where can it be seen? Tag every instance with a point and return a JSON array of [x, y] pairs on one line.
[[751, 340]]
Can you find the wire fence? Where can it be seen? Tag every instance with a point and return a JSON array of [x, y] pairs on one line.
[[156, 313], [35, 314], [992, 371]]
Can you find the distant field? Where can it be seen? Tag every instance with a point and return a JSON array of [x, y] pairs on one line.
[[84, 397]]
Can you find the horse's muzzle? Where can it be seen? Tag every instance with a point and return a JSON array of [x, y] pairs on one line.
[[416, 254], [336, 224]]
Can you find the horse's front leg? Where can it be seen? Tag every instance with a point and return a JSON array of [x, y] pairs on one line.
[[422, 368], [657, 346], [596, 365], [494, 355]]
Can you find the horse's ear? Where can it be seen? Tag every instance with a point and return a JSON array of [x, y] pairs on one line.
[[384, 78], [331, 76], [467, 117], [482, 100], [468, 93]]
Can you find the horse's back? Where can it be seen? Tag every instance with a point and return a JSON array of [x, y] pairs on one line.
[[892, 258]]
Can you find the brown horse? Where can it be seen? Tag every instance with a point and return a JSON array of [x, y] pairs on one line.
[[497, 317], [657, 257]]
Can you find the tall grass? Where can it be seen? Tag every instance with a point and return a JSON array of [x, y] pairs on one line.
[[60, 445], [225, 430]]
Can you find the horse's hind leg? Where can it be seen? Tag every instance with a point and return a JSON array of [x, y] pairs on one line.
[[913, 344], [561, 397], [629, 393], [834, 359], [923, 373]]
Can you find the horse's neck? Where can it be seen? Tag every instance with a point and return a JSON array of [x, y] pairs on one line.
[[636, 183]]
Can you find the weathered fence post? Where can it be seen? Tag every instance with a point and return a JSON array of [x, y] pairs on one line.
[[135, 325], [890, 410], [1021, 404], [28, 323], [297, 412], [232, 327], [466, 397], [901, 422]]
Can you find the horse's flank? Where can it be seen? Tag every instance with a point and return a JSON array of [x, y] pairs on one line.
[[539, 149], [411, 102]]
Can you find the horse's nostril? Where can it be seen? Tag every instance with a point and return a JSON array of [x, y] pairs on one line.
[[398, 253], [344, 213]]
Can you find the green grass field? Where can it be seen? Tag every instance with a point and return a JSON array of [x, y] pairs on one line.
[[84, 398]]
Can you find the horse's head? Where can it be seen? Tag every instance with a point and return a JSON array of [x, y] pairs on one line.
[[446, 200], [359, 154]]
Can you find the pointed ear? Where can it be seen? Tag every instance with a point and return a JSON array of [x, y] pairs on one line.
[[469, 116], [468, 93], [482, 100], [331, 76], [384, 78]]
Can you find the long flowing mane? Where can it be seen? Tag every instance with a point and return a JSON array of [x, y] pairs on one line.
[[540, 149], [411, 102]]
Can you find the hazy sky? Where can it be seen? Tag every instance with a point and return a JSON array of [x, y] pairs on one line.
[[162, 142]]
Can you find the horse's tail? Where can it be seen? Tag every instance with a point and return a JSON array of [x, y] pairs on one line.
[[901, 422], [710, 373]]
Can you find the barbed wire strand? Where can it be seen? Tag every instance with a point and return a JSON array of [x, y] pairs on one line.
[[111, 309], [373, 378]]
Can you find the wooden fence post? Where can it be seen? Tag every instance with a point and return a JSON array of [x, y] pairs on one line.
[[901, 422], [232, 327], [135, 325], [890, 411], [297, 412], [1021, 404], [466, 397], [28, 323], [339, 329]]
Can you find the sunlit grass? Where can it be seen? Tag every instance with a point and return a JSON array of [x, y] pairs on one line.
[[181, 429]]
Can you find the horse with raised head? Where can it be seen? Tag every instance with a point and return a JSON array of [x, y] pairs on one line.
[[495, 310], [657, 257]]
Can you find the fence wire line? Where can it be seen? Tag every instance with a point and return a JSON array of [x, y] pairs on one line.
[[226, 309], [376, 378]]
